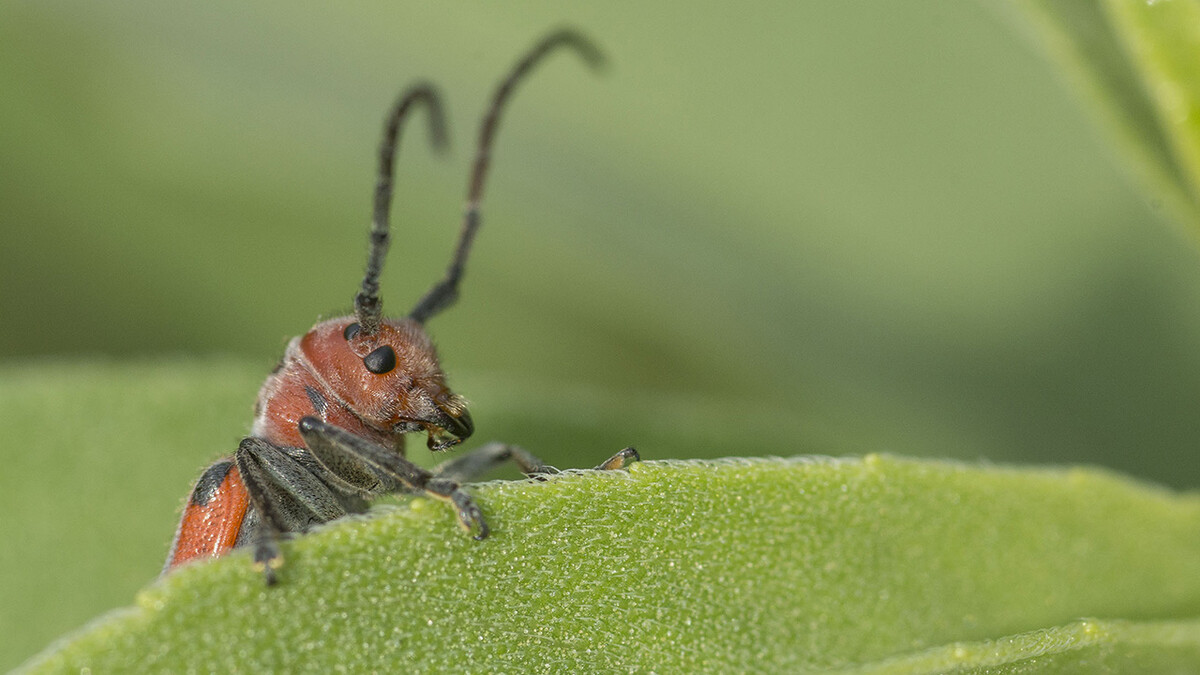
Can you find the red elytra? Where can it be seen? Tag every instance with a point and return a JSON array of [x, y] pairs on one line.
[[330, 420], [210, 528]]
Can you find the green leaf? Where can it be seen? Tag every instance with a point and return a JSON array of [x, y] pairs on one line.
[[1138, 64], [781, 565], [1083, 646]]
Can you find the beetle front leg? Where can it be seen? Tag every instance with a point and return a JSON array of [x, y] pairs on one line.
[[352, 460], [469, 515]]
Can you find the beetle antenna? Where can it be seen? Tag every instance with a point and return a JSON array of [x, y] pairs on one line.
[[368, 309], [445, 292]]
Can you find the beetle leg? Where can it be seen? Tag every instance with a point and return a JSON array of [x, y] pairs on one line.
[[620, 460], [478, 462], [269, 528], [350, 459], [287, 497]]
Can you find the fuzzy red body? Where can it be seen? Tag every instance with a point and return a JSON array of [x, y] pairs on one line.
[[321, 375]]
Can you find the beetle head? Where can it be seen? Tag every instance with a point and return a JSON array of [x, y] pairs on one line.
[[390, 378]]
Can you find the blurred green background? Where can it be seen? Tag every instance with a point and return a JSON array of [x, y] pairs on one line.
[[803, 228]]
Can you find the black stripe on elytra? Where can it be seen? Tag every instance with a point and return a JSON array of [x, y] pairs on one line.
[[317, 400], [206, 487]]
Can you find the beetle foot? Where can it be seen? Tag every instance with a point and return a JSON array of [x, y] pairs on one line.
[[469, 515], [620, 460], [267, 559]]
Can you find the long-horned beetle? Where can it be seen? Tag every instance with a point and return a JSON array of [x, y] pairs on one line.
[[330, 420]]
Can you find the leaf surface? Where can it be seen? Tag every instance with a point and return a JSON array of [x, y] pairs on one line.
[[877, 564]]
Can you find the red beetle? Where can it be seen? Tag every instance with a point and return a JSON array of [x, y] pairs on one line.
[[330, 420]]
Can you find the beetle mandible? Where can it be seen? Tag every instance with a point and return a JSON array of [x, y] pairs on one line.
[[330, 419]]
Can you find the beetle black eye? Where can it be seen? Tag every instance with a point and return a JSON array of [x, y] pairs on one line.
[[380, 361], [351, 331]]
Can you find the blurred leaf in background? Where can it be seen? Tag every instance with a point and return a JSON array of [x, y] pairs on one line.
[[815, 227], [1135, 63]]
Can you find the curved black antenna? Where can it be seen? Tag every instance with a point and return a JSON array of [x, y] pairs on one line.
[[367, 306], [445, 292]]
